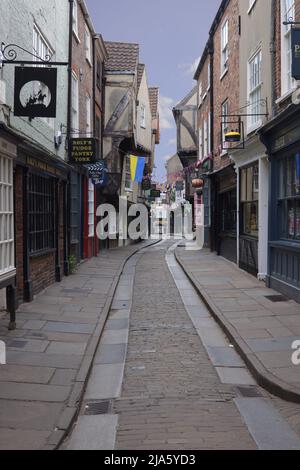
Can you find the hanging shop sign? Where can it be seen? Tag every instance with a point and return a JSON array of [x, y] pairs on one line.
[[296, 53], [35, 92], [98, 173], [82, 151]]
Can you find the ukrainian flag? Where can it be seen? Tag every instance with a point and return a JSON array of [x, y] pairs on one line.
[[137, 167]]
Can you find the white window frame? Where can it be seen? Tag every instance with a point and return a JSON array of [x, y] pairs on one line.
[[75, 105], [205, 133], [200, 143], [88, 104], [128, 183], [254, 90], [75, 19], [87, 44], [200, 92], [288, 84], [143, 116], [7, 243], [224, 47], [208, 76], [224, 112], [91, 215], [42, 49], [251, 5]]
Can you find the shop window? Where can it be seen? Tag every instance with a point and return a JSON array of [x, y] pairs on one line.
[[228, 211], [289, 198], [91, 209], [7, 260], [41, 212], [249, 200]]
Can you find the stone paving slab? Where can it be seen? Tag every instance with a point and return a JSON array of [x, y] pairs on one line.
[[262, 331], [50, 353]]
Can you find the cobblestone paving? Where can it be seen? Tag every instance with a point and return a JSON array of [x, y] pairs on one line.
[[172, 397]]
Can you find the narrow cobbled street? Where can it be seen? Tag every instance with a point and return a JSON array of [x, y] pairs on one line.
[[166, 391]]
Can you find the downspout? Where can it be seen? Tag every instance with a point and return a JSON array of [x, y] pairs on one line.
[[67, 195], [95, 251], [273, 56], [212, 140]]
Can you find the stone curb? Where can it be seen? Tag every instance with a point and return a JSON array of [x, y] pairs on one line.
[[263, 377], [72, 409]]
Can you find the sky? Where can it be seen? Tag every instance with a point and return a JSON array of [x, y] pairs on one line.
[[172, 35]]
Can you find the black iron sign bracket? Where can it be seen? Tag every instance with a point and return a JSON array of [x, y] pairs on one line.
[[9, 55]]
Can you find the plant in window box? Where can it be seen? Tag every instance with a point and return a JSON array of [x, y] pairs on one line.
[[72, 264]]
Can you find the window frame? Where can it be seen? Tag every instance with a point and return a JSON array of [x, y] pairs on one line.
[[75, 19], [253, 122], [41, 213], [7, 237], [43, 49], [91, 209], [75, 109], [88, 105], [289, 201], [88, 44], [127, 172], [143, 116], [249, 198], [288, 83], [224, 47]]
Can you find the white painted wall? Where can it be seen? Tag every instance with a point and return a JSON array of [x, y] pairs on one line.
[[144, 135], [17, 18]]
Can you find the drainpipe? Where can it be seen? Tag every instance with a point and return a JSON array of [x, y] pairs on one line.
[[212, 140], [273, 56], [67, 198]]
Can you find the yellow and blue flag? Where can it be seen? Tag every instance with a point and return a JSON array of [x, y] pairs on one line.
[[137, 167]]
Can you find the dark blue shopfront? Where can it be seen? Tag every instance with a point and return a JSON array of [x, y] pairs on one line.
[[282, 138]]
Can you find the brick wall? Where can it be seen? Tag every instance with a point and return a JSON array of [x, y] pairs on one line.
[[277, 54], [83, 70], [42, 272], [226, 87]]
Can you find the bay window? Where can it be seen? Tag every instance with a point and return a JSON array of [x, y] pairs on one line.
[[7, 256]]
